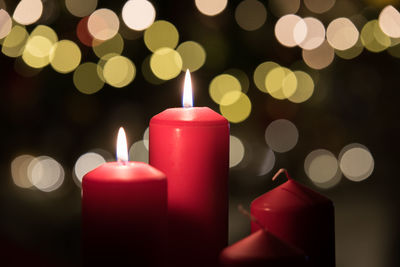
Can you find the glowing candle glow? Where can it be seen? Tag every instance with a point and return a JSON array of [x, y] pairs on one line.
[[191, 146], [124, 206]]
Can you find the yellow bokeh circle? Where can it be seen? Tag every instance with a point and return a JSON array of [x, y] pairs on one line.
[[113, 45], [373, 38], [239, 110], [37, 51], [223, 84], [86, 79], [166, 63], [65, 56], [305, 87], [119, 71], [261, 73], [14, 43], [193, 55], [161, 34]]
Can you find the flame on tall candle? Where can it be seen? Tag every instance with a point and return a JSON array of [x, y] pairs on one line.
[[187, 99], [122, 146]]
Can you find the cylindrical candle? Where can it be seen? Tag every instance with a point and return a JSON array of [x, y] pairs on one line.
[[261, 249], [191, 146], [124, 213], [301, 217]]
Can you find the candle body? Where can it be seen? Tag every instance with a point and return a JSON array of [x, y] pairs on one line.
[[261, 249], [124, 215], [300, 217], [191, 146]]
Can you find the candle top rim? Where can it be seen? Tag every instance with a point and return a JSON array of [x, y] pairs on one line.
[[130, 171], [195, 116]]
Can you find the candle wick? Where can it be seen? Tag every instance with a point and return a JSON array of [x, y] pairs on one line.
[[252, 218], [282, 170]]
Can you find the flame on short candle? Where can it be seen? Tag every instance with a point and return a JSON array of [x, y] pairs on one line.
[[187, 99], [122, 146]]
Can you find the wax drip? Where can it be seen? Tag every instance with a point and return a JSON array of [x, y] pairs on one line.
[[251, 217]]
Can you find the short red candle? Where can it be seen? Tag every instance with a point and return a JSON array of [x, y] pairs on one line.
[[191, 146], [261, 249], [124, 210], [301, 217]]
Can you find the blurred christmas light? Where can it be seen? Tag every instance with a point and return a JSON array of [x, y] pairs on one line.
[[236, 151], [80, 8], [161, 34], [193, 55], [45, 173], [86, 163], [146, 138], [322, 167], [238, 111], [389, 21], [223, 84], [139, 152], [82, 32], [19, 171], [103, 24], [285, 30], [5, 23], [283, 7], [148, 73], [352, 52], [261, 72], [65, 56], [373, 38], [320, 57], [305, 87], [267, 163], [28, 11], [318, 6], [281, 135], [114, 45], [166, 63], [241, 76], [138, 15], [281, 83], [119, 71], [37, 51], [356, 162], [342, 34], [309, 33], [250, 15], [211, 7], [86, 79], [14, 43]]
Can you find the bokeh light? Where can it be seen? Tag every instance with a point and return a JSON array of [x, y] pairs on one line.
[[45, 173], [28, 11], [281, 83], [5, 23], [309, 33], [19, 171], [65, 56], [285, 30], [138, 15], [103, 24], [318, 6], [113, 45], [305, 87], [261, 72], [148, 73], [81, 8], [223, 84], [283, 7], [241, 76], [166, 63], [86, 78], [239, 110], [37, 51], [146, 138], [352, 52], [281, 135], [139, 152], [193, 55], [86, 163], [236, 151], [356, 162], [389, 21], [14, 43], [342, 34], [211, 7], [119, 71], [322, 167], [267, 162], [319, 58], [373, 38], [250, 15], [82, 32], [161, 34]]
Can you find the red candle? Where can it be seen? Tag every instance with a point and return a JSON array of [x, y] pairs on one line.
[[299, 216], [191, 146], [124, 211], [261, 249]]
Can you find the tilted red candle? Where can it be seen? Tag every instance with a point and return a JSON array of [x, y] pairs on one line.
[[191, 146], [301, 217], [124, 210]]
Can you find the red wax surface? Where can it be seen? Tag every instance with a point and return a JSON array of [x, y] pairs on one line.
[[261, 249], [124, 214], [301, 217], [191, 146]]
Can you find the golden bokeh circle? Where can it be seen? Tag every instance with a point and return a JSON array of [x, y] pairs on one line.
[[166, 63], [161, 34], [86, 79], [119, 71], [193, 55]]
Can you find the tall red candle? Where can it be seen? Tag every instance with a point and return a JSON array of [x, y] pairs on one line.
[[191, 146], [301, 217], [124, 213]]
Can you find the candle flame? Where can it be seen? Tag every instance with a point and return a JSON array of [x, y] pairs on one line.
[[122, 146], [187, 99]]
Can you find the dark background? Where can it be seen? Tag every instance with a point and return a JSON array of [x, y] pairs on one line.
[[354, 101]]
